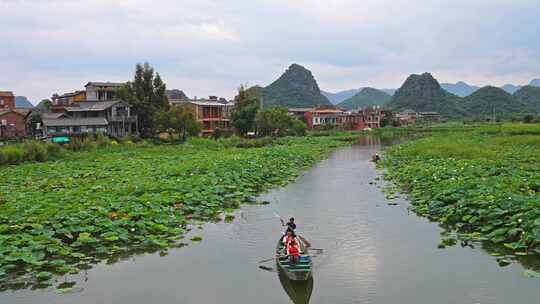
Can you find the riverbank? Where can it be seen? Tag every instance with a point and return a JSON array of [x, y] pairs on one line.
[[482, 183], [60, 217]]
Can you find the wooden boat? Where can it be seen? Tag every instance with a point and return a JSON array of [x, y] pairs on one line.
[[298, 291], [300, 271]]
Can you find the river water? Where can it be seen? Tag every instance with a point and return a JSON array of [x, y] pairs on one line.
[[373, 253]]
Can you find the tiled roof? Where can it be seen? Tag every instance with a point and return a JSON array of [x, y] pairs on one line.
[[300, 109], [20, 111], [51, 115], [68, 122]]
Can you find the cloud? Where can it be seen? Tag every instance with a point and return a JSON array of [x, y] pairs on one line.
[[209, 47]]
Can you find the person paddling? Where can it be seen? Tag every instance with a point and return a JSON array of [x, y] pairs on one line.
[[290, 224]]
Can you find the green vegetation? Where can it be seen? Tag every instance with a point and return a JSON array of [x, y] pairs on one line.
[[35, 151], [423, 93], [529, 96], [276, 121], [147, 95], [295, 88], [365, 98], [247, 105], [60, 217], [493, 103], [482, 183], [180, 119]]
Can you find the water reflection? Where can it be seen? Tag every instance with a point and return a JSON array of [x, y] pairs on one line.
[[298, 291]]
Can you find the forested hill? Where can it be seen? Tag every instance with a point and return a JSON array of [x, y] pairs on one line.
[[489, 101], [295, 88], [365, 98], [423, 93], [530, 96]]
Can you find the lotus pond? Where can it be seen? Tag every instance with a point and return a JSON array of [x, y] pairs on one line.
[[63, 216], [481, 184]]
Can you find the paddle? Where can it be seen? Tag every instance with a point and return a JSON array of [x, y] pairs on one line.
[[308, 244], [281, 256]]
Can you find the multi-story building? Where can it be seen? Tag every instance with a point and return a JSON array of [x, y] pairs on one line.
[[101, 91], [430, 116], [7, 100], [212, 113], [323, 116], [373, 116], [407, 117], [410, 117], [93, 110], [329, 116], [112, 118]]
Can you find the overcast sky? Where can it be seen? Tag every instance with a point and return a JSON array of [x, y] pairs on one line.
[[207, 47]]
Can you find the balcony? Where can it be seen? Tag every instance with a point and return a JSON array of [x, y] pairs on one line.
[[117, 118]]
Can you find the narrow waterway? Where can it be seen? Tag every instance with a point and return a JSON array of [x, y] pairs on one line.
[[373, 253]]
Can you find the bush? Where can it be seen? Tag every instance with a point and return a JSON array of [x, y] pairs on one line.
[[53, 150], [34, 151], [13, 155], [298, 127], [102, 140]]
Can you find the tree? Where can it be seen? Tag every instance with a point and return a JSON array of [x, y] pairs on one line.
[[298, 127], [146, 95], [180, 119], [248, 102], [528, 118], [273, 121], [44, 105], [387, 119]]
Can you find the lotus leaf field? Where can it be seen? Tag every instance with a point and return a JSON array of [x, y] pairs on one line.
[[63, 216], [483, 185]]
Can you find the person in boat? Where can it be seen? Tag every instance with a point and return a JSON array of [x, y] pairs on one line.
[[286, 239], [290, 224], [293, 252], [376, 157], [289, 237]]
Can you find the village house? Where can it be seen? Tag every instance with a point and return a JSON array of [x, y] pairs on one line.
[[7, 100], [328, 116], [407, 117], [113, 118], [410, 117], [13, 122], [323, 116], [93, 110], [430, 117], [101, 91], [212, 113], [68, 98], [373, 116]]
